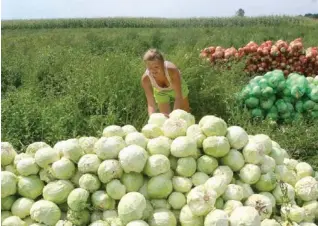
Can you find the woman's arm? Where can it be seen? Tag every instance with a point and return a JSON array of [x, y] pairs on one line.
[[146, 84], [176, 84]]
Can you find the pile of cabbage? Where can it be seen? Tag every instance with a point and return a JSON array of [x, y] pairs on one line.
[[173, 172]]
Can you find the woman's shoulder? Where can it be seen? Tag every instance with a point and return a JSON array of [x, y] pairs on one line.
[[145, 78], [172, 69], [170, 65]]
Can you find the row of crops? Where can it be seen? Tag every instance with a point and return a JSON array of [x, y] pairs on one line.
[[152, 22]]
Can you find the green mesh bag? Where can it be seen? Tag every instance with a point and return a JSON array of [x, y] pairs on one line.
[[263, 83], [281, 86], [252, 102], [272, 116], [257, 113], [290, 107], [256, 79], [289, 99], [314, 114], [267, 92], [309, 105], [298, 117], [286, 115], [281, 106], [313, 94], [273, 110], [272, 113], [292, 78], [299, 106], [267, 104], [255, 90], [274, 78], [268, 74], [310, 79], [245, 93], [286, 92], [298, 85], [310, 87], [297, 91]]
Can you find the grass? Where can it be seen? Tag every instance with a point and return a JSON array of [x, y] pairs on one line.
[[74, 80]]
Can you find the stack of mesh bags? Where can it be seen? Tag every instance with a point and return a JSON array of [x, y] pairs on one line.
[[308, 103], [273, 97]]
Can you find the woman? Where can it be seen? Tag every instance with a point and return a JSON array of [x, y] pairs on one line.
[[162, 82]]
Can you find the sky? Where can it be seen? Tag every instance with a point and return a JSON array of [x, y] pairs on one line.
[[44, 9]]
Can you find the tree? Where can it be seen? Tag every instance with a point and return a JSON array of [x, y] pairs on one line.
[[310, 15], [240, 12]]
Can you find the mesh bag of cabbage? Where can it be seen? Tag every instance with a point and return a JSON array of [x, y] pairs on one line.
[[275, 79], [298, 85], [273, 97]]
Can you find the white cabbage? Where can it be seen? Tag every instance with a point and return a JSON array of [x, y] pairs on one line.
[[131, 207], [113, 130], [109, 147], [245, 215], [213, 126], [216, 146], [183, 147], [201, 200], [237, 137], [133, 158]]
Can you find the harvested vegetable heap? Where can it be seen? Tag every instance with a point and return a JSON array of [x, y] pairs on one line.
[[274, 97], [292, 57], [172, 172]]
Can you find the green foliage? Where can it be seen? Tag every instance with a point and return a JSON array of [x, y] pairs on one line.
[[153, 22], [64, 83], [312, 15]]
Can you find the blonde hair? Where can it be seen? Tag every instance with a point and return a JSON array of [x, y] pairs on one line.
[[152, 55]]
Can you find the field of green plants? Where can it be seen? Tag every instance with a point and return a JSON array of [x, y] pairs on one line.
[[69, 78]]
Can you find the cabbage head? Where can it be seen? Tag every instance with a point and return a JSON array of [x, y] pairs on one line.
[[109, 147], [45, 212], [57, 191], [21, 207], [131, 207], [7, 153], [162, 217], [245, 215], [187, 218], [78, 199], [213, 126], [46, 156], [30, 187], [133, 158], [201, 200], [88, 163], [217, 218], [13, 220], [159, 187], [113, 130], [237, 137], [63, 169], [8, 184], [102, 201], [262, 204]]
